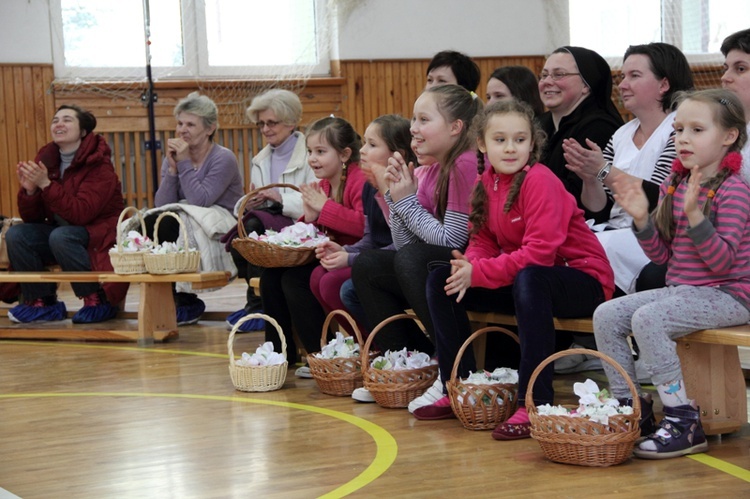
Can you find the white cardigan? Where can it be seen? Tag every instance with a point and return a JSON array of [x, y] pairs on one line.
[[297, 172]]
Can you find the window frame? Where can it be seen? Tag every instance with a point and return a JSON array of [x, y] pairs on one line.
[[195, 52]]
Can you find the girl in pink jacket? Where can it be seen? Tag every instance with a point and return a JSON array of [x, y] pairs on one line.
[[530, 254]]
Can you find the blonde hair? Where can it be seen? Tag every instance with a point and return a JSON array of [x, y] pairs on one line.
[[478, 215], [728, 114]]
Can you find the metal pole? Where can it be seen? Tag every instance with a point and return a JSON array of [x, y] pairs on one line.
[[149, 97]]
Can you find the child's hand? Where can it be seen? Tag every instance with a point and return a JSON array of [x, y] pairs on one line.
[[633, 200], [692, 210], [337, 260], [327, 248], [313, 200], [400, 177], [460, 278]]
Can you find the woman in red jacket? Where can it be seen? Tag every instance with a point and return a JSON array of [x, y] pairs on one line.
[[70, 199]]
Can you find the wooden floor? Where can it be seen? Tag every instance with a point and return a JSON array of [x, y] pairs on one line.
[[111, 420]]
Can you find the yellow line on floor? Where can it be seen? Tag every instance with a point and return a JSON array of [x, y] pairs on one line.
[[116, 347], [723, 466], [387, 448]]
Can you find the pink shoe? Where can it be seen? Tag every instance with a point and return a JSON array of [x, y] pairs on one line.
[[439, 410]]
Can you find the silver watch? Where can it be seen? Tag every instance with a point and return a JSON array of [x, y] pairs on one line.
[[604, 172]]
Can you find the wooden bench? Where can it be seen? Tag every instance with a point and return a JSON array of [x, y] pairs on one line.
[[710, 363], [156, 315]]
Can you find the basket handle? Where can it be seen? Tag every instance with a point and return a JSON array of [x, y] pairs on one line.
[[366, 350], [530, 407], [241, 232], [183, 231], [230, 340], [122, 219], [470, 339], [348, 318]]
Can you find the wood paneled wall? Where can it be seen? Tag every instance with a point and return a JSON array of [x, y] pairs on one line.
[[374, 88], [26, 109], [359, 91]]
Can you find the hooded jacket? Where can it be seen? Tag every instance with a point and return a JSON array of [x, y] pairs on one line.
[[89, 195]]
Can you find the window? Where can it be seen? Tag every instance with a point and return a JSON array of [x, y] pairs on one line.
[[697, 27], [106, 39]]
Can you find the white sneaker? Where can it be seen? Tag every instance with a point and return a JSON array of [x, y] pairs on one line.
[[432, 395], [303, 372], [362, 394], [577, 363]]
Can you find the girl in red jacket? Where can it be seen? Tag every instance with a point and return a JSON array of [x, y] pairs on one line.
[[334, 205], [530, 254]]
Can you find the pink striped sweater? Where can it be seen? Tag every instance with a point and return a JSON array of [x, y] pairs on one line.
[[714, 253]]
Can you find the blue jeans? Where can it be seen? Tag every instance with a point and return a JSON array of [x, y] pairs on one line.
[[31, 247], [350, 299], [537, 295]]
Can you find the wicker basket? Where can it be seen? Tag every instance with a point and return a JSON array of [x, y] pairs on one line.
[[172, 263], [257, 378], [338, 376], [128, 262], [265, 254], [481, 406], [572, 440], [391, 388]]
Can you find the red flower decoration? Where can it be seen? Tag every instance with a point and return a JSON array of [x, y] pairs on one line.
[[732, 162]]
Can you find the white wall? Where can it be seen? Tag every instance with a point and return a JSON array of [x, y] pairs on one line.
[[374, 29], [394, 29], [24, 32]]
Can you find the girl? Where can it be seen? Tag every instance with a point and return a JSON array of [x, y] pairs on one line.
[[531, 254], [385, 135], [520, 82], [334, 205], [428, 217], [700, 229]]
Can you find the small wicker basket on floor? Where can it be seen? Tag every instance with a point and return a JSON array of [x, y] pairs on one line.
[[576, 440], [257, 378], [392, 388], [265, 254], [480, 406], [341, 375], [172, 263], [128, 262]]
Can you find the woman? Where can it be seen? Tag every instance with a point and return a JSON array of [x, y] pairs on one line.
[[277, 114], [70, 199], [201, 181], [515, 82], [576, 87], [640, 151]]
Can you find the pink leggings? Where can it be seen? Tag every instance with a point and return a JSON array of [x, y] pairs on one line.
[[326, 285]]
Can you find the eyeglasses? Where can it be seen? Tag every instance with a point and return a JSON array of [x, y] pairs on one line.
[[269, 124], [556, 75]]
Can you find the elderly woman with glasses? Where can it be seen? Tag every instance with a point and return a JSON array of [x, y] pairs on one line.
[[277, 113]]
